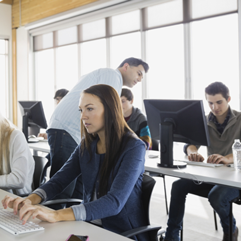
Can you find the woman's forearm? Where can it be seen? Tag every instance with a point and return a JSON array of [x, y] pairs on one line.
[[66, 214], [34, 198]]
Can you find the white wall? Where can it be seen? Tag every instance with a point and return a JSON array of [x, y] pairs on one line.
[[5, 20], [22, 68], [6, 33], [22, 56]]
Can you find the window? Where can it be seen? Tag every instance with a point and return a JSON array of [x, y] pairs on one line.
[[45, 80], [93, 30], [66, 66], [123, 47], [43, 41], [165, 13], [165, 55], [93, 56], [215, 56], [66, 36], [4, 79], [125, 22], [165, 35], [202, 8]]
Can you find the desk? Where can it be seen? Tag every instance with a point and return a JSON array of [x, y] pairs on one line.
[[60, 231], [216, 175], [39, 146]]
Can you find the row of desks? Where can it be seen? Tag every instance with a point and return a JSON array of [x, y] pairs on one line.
[[217, 175]]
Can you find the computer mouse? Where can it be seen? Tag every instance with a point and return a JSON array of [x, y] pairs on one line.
[[31, 136]]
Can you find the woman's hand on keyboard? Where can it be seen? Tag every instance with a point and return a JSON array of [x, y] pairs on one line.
[[14, 203], [27, 211]]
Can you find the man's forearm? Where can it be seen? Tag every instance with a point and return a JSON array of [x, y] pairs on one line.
[[230, 157], [192, 149]]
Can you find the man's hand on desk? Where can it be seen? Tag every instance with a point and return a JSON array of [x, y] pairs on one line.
[[44, 135], [216, 158]]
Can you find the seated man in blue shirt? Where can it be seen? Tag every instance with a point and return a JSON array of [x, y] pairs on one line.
[[224, 125]]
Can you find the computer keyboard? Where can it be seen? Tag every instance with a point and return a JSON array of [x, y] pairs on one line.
[[11, 223], [201, 163]]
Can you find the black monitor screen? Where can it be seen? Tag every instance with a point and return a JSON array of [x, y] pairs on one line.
[[33, 117], [176, 120]]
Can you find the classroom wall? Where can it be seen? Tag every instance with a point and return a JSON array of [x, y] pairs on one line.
[[23, 83], [6, 32], [5, 20]]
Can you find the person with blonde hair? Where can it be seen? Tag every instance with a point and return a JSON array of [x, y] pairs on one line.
[[16, 161], [110, 159]]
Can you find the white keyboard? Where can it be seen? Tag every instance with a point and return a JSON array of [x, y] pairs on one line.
[[201, 163], [11, 223]]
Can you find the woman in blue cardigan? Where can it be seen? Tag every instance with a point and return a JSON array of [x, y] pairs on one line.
[[110, 159]]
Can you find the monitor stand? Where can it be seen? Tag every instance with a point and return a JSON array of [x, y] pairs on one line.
[[166, 152]]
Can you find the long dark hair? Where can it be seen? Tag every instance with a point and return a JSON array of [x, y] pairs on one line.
[[115, 129]]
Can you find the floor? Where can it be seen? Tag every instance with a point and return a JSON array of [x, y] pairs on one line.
[[198, 220]]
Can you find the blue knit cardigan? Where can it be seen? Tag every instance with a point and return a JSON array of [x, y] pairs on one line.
[[121, 209]]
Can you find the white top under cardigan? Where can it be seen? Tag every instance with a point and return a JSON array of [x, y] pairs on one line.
[[19, 180], [66, 115]]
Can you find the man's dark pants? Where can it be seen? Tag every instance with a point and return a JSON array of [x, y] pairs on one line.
[[62, 145]]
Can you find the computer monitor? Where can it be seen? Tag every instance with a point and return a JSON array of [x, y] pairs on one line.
[[176, 120], [33, 117]]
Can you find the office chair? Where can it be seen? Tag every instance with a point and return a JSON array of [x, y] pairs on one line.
[[40, 171], [39, 175], [236, 201], [147, 188], [204, 193], [155, 147]]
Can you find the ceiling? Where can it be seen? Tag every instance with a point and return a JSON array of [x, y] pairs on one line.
[[7, 2]]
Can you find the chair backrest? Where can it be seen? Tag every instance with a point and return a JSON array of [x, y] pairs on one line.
[[148, 184], [238, 199], [155, 145], [39, 171]]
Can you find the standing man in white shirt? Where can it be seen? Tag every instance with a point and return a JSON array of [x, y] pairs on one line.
[[64, 128]]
